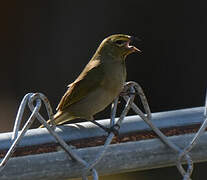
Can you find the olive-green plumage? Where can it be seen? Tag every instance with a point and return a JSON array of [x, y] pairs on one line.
[[100, 82]]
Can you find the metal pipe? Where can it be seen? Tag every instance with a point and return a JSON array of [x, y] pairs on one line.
[[130, 156], [169, 119]]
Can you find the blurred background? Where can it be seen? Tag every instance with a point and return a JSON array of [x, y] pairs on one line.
[[46, 44]]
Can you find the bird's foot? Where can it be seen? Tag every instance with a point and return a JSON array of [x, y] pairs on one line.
[[114, 129], [127, 93]]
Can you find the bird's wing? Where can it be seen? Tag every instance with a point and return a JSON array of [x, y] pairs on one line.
[[91, 78]]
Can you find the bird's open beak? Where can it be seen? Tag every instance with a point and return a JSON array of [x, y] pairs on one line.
[[133, 48]]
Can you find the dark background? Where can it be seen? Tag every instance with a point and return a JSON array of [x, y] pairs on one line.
[[46, 44]]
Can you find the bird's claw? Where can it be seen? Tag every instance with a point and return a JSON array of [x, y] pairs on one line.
[[127, 93], [113, 129]]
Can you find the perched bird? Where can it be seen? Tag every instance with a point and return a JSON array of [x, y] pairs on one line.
[[99, 83]]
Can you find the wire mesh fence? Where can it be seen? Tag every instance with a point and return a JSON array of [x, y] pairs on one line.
[[131, 89]]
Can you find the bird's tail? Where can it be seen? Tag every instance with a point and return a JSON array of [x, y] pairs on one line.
[[60, 118]]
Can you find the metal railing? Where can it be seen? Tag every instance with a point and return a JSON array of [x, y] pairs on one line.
[[106, 158]]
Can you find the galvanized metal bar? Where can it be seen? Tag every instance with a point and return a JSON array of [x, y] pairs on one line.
[[169, 119], [119, 158]]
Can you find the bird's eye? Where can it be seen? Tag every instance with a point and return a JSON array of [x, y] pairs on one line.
[[119, 42]]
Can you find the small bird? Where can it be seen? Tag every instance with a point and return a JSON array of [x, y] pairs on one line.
[[100, 82]]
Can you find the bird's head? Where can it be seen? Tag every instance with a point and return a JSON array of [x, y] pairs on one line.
[[118, 45]]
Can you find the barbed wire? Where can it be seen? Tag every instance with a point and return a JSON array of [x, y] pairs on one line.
[[131, 89]]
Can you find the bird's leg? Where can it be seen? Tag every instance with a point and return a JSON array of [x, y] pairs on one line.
[[114, 128], [99, 125]]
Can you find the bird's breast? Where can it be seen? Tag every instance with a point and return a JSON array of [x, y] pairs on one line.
[[115, 77]]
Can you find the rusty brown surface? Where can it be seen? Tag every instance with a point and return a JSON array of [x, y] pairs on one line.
[[97, 141]]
